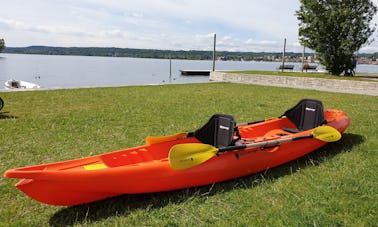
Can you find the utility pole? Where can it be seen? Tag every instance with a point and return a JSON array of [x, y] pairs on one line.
[[283, 56], [215, 40]]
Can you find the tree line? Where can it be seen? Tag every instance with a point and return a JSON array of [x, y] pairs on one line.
[[162, 54], [149, 53], [2, 45]]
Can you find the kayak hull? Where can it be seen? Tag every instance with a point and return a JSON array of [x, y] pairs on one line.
[[146, 168]]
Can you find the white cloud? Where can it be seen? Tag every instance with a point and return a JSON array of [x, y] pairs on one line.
[[242, 25]]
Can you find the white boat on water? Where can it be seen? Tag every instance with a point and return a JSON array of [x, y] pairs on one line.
[[19, 84]]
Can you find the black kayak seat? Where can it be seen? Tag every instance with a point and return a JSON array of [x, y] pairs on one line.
[[221, 131], [307, 114], [218, 131]]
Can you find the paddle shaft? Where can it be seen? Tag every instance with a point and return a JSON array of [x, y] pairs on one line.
[[182, 156], [262, 144]]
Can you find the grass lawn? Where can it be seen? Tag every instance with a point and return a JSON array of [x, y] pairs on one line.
[[336, 185]]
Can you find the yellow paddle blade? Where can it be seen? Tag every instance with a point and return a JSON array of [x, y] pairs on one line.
[[159, 139], [326, 134], [182, 156]]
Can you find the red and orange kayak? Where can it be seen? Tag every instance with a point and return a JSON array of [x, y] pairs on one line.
[[146, 168]]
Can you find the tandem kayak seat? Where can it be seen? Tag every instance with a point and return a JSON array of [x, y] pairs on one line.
[[307, 114], [218, 131]]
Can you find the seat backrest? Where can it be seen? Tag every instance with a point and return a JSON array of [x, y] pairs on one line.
[[218, 131], [307, 114]]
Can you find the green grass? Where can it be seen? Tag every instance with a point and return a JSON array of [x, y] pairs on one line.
[[334, 186], [358, 77]]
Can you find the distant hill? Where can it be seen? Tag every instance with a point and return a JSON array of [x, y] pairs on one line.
[[109, 52], [152, 53], [145, 53]]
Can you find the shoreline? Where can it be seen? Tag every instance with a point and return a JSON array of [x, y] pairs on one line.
[[307, 83]]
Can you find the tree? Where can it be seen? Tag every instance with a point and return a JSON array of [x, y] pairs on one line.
[[2, 45], [336, 29]]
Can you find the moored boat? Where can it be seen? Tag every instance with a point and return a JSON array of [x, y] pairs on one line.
[[218, 151], [19, 84]]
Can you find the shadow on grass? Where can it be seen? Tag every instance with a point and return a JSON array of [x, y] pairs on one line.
[[124, 205], [4, 115]]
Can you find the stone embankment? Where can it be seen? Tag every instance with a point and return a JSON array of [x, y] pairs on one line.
[[333, 85]]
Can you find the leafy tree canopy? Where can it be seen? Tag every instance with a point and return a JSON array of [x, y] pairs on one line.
[[336, 29], [2, 45]]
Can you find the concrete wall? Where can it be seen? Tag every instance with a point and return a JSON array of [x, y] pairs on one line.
[[333, 85]]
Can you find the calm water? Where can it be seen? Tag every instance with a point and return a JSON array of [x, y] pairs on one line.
[[52, 71]]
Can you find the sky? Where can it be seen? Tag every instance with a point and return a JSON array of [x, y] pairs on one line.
[[239, 25]]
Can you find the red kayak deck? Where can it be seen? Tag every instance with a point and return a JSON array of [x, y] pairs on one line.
[[146, 168]]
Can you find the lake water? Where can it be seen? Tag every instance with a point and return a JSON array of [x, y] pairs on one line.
[[54, 71]]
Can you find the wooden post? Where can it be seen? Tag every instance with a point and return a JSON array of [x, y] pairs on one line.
[[303, 56], [215, 38], [170, 69], [355, 61], [283, 56]]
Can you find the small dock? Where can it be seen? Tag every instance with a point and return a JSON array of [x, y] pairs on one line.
[[195, 72]]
